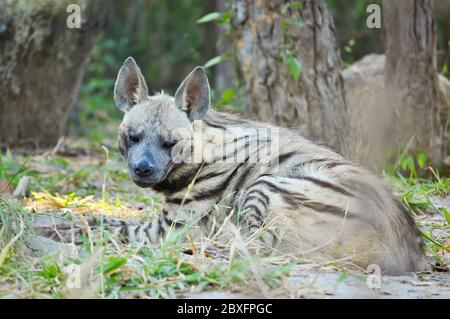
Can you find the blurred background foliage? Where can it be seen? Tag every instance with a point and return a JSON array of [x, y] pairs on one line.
[[161, 35], [354, 38], [167, 41]]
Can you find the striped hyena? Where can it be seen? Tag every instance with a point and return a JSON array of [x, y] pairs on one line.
[[308, 199]]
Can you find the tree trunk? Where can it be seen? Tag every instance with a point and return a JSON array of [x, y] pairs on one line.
[[272, 40], [210, 36], [411, 81], [42, 64], [224, 72], [371, 118]]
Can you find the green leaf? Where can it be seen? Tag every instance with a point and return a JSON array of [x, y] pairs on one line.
[[69, 199], [428, 236], [209, 17], [403, 164], [421, 160], [113, 264], [225, 18], [227, 95], [284, 25], [297, 5], [407, 163], [50, 270], [213, 62], [446, 215], [285, 8], [410, 163], [294, 66]]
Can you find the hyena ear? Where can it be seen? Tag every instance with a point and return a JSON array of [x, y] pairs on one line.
[[193, 95], [130, 87]]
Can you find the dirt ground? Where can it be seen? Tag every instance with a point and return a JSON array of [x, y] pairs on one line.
[[323, 284]]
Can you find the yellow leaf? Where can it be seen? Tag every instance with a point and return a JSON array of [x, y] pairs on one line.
[[447, 246]]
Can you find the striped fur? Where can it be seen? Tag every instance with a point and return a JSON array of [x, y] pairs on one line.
[[312, 201]]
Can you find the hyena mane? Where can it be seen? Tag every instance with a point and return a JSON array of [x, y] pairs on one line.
[[293, 196]]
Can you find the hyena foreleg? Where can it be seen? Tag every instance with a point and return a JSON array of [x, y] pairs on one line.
[[254, 211], [153, 231], [126, 230]]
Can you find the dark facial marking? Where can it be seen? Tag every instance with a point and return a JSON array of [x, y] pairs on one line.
[[166, 142], [170, 186], [123, 143]]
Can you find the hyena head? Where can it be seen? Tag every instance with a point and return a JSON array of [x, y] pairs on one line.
[[146, 134]]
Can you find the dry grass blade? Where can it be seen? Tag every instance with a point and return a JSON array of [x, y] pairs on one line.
[[256, 270], [5, 250], [22, 187]]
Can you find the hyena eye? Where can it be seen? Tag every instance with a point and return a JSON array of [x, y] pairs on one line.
[[168, 144], [134, 139]]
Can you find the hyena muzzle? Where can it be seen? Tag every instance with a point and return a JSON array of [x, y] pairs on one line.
[[309, 200]]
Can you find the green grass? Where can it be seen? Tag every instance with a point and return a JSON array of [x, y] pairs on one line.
[[114, 269], [117, 270], [421, 188], [111, 269], [416, 192]]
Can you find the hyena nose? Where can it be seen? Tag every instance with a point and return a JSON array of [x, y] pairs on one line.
[[143, 169]]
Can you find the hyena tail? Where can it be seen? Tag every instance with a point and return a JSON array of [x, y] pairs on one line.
[[407, 242]]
